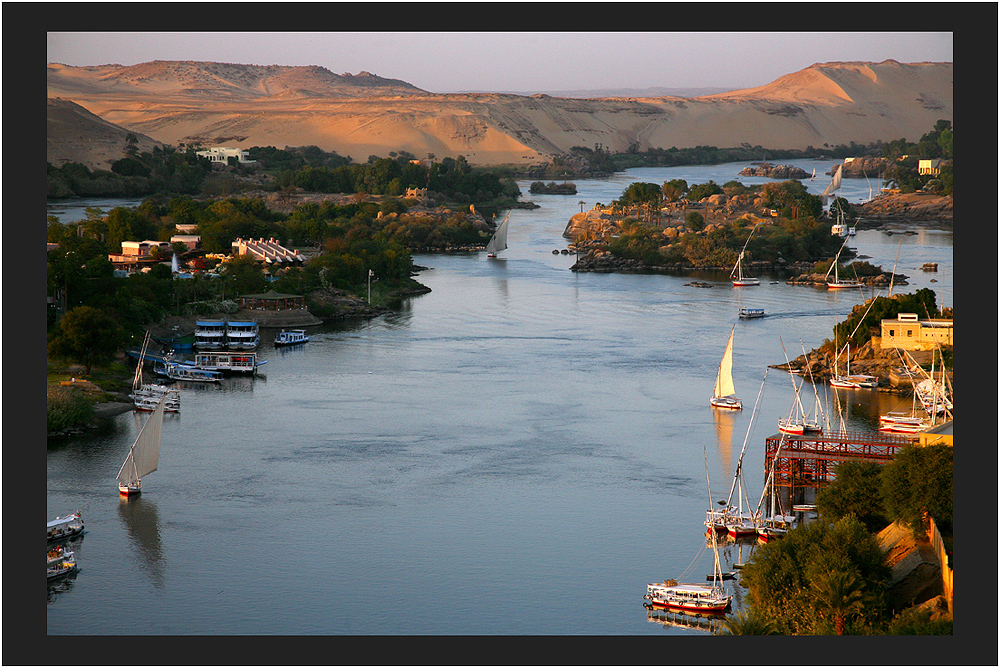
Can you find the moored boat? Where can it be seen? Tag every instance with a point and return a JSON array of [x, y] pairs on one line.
[[688, 596], [60, 562], [290, 337], [63, 528], [242, 335], [210, 334], [192, 373]]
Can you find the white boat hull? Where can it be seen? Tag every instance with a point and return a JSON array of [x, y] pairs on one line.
[[727, 402]]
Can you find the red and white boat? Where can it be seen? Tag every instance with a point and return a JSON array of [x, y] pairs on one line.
[[688, 596]]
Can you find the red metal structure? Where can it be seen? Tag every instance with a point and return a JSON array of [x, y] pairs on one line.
[[808, 461]]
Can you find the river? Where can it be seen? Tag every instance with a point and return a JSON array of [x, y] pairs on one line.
[[519, 451]]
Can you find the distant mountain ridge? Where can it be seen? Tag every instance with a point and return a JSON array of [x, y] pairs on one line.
[[204, 103]]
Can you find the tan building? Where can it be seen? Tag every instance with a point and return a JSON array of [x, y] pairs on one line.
[[929, 167], [907, 332]]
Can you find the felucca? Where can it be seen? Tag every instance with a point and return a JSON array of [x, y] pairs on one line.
[[725, 391], [144, 455], [737, 273], [498, 241]]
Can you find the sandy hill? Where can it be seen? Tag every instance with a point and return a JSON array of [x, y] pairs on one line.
[[361, 115]]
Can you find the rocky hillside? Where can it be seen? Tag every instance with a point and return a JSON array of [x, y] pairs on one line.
[[177, 102]]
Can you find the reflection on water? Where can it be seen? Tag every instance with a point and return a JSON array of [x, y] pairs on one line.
[[142, 522], [724, 421], [687, 620]]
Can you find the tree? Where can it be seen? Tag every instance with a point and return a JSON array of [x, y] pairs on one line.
[[856, 490], [87, 335], [780, 576], [917, 481], [748, 623], [839, 594]]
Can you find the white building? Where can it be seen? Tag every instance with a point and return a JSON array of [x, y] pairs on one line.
[[222, 154]]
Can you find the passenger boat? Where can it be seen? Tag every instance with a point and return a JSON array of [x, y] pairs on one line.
[[60, 562], [725, 391], [498, 241], [63, 528], [290, 337], [750, 313], [737, 273], [177, 371], [210, 334], [242, 335], [228, 362], [688, 597], [144, 455]]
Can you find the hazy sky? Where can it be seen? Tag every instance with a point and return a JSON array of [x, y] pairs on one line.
[[518, 62]]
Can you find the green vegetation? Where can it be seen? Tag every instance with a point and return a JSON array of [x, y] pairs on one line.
[[821, 578], [552, 188], [918, 482], [829, 576], [795, 235]]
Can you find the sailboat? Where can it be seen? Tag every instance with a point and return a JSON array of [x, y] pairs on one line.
[[848, 380], [692, 597], [835, 184], [725, 391], [737, 523], [838, 283], [776, 524], [797, 423], [147, 395], [731, 519], [498, 241], [813, 177], [737, 273], [144, 455]]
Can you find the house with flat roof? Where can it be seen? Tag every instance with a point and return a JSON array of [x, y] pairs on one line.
[[907, 332]]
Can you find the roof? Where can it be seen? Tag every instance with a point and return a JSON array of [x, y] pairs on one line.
[[270, 294]]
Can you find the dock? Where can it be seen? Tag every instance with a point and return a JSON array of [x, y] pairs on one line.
[[809, 461]]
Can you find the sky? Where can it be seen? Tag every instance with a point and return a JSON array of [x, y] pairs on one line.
[[527, 62]]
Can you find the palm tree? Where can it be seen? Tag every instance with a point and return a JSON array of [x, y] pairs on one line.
[[748, 623], [839, 593]]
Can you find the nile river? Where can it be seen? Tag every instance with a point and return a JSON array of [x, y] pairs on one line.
[[519, 451]]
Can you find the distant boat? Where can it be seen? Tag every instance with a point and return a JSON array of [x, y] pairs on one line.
[[750, 313], [210, 334], [725, 391], [290, 337], [737, 273], [144, 455], [498, 241]]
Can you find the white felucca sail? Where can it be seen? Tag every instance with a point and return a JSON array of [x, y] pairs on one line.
[[725, 391], [144, 455], [834, 185], [498, 241]]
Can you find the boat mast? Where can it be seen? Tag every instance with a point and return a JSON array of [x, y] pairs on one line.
[[739, 462]]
